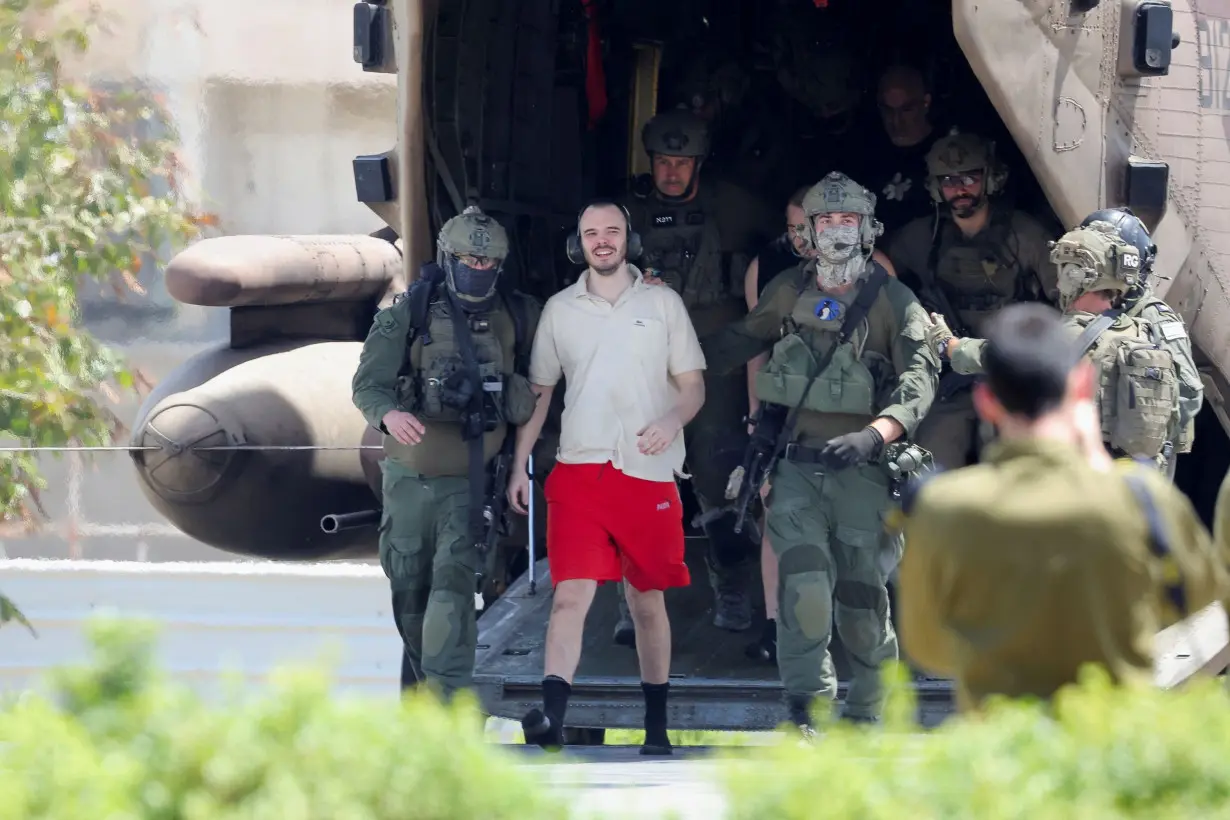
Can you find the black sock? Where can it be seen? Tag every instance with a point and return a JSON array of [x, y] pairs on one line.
[[655, 713], [555, 692]]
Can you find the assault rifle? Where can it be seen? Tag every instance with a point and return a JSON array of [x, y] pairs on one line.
[[758, 462], [495, 507]]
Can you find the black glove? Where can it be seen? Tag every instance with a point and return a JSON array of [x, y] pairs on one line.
[[851, 449]]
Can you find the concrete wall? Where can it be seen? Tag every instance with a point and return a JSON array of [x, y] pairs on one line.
[[271, 109]]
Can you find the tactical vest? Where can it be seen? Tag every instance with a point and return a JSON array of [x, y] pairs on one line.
[[683, 246], [982, 274], [847, 385], [1138, 390], [436, 386]]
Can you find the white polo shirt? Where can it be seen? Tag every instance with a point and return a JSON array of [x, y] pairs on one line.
[[618, 360]]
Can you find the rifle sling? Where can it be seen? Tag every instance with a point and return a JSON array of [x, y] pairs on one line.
[[1094, 330], [854, 316], [477, 469]]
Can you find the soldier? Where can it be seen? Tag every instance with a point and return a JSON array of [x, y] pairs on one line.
[[970, 260], [1090, 558], [1141, 302], [697, 237], [850, 363], [1138, 397], [443, 374]]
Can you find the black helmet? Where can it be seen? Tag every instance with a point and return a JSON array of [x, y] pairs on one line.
[[1131, 230]]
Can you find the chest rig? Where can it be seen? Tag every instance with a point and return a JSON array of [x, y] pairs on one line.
[[683, 245], [812, 337], [984, 273], [443, 386]]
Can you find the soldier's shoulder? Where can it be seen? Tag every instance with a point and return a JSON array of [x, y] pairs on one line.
[[394, 317], [913, 236], [1024, 222]]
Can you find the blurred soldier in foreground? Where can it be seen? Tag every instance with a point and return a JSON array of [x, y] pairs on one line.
[[1047, 555], [1168, 328], [850, 365], [1137, 396], [443, 374]]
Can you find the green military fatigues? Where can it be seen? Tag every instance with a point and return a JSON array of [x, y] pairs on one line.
[[827, 527], [1006, 262], [426, 547], [1171, 333], [701, 249], [1025, 567]]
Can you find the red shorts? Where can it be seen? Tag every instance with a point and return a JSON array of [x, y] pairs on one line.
[[603, 525]]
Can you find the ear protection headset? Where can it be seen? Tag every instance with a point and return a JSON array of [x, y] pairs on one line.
[[995, 177], [573, 245]]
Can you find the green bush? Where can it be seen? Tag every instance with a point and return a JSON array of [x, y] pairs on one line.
[[1099, 752], [117, 740]]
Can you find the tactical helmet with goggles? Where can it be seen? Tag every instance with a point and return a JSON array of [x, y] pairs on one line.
[[842, 251], [472, 247], [953, 159], [1131, 230], [1094, 258]]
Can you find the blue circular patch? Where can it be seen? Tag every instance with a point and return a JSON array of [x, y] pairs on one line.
[[828, 310]]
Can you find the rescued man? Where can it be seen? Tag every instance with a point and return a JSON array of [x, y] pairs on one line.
[[1170, 331], [850, 362], [1137, 396], [443, 375], [968, 261], [633, 369], [1047, 555], [783, 256], [697, 236]]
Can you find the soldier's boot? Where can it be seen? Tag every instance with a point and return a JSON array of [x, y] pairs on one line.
[[799, 708], [765, 647], [732, 609], [625, 630]]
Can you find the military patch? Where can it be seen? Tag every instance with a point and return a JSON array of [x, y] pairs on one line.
[[828, 310], [664, 220], [386, 323], [1172, 331], [695, 218]]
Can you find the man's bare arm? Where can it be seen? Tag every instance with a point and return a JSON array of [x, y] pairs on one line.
[[528, 433], [656, 436]]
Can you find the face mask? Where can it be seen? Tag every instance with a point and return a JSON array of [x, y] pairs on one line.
[[839, 261], [472, 286]]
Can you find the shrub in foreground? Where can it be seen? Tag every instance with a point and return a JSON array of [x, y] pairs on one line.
[[1099, 752], [119, 741]]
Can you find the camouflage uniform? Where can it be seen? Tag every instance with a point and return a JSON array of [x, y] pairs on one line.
[[1141, 303], [830, 491], [428, 539], [701, 247], [1138, 394], [1004, 263]]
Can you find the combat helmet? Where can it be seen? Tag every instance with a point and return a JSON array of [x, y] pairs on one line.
[[1093, 258], [1132, 231], [837, 193], [472, 233], [960, 152], [676, 133], [823, 74]]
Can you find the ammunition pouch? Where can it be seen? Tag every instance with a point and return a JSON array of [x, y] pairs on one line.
[[845, 386]]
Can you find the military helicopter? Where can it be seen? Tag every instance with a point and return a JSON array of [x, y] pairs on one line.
[[255, 447]]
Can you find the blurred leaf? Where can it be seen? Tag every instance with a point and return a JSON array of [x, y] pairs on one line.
[[10, 612], [76, 204]]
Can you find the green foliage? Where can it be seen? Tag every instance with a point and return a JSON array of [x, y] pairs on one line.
[[118, 741], [1099, 752], [10, 612], [76, 204]]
